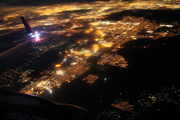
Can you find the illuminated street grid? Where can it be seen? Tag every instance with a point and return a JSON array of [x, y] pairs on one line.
[[91, 78], [56, 79], [123, 106], [117, 60]]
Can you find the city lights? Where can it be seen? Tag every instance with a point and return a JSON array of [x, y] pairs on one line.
[[84, 41], [95, 47], [60, 72], [107, 44]]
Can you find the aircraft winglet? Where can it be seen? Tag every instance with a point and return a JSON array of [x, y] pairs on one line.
[[29, 29]]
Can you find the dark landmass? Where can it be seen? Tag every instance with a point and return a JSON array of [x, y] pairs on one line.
[[160, 16], [162, 110]]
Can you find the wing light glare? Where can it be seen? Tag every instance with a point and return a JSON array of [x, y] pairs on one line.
[[36, 36]]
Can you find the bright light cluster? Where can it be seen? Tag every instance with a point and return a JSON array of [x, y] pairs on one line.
[[107, 44], [36, 36], [60, 72]]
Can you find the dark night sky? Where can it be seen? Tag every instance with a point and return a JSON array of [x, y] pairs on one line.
[[40, 2]]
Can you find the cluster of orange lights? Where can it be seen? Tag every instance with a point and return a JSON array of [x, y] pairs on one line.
[[58, 65], [107, 44], [95, 47], [96, 39]]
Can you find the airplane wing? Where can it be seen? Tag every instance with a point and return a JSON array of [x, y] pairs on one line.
[[19, 106], [9, 57]]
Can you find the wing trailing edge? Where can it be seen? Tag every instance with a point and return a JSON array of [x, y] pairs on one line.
[[21, 106]]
